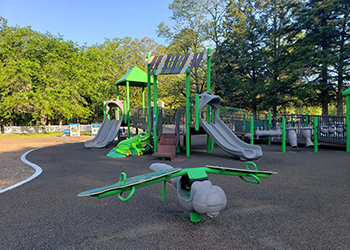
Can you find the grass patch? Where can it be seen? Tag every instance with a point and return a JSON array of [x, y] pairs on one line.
[[37, 135], [31, 135]]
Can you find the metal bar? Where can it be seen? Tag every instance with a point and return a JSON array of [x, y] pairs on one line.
[[164, 191], [197, 112], [155, 114], [315, 134], [252, 130], [128, 106], [208, 90], [149, 95], [188, 115]]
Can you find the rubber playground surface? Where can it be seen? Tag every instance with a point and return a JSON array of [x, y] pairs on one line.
[[305, 206]]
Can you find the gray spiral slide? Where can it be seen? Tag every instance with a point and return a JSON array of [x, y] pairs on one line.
[[222, 135], [109, 128]]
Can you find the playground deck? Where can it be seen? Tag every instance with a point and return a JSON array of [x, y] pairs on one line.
[[305, 206]]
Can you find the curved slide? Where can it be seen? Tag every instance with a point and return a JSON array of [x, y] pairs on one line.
[[222, 135], [106, 134], [229, 142], [109, 128]]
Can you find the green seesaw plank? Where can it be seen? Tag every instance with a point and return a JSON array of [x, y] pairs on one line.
[[239, 170], [130, 182]]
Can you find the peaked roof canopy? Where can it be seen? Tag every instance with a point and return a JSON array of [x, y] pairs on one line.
[[346, 92], [135, 77]]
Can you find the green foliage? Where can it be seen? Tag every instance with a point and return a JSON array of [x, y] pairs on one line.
[[196, 25], [46, 79], [269, 54], [283, 53]]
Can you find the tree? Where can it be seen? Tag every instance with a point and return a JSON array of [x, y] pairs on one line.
[[39, 77], [342, 51], [197, 25], [239, 65], [281, 78], [317, 40]]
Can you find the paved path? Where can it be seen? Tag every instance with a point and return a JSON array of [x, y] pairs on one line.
[[305, 206]]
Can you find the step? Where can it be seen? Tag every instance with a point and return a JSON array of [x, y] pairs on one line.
[[166, 148], [164, 155], [167, 141]]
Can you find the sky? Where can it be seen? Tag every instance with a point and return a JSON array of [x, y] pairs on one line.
[[89, 21]]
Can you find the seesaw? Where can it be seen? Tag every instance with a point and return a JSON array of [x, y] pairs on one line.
[[195, 192]]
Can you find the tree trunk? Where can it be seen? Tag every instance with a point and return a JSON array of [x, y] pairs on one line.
[[340, 96], [43, 120], [274, 109], [325, 108]]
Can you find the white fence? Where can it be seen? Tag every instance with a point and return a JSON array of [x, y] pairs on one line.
[[38, 129]]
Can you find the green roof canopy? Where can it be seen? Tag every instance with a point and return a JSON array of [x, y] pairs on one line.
[[346, 92], [135, 77]]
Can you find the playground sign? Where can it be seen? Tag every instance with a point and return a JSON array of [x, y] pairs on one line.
[[74, 129], [95, 128]]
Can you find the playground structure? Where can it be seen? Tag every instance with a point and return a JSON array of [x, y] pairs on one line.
[[195, 192], [176, 64], [137, 145], [184, 64], [322, 129], [110, 127], [289, 127], [220, 133]]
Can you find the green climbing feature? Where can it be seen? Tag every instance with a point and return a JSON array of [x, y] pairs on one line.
[[134, 146]]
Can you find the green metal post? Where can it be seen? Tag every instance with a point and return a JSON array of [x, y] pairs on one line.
[[117, 92], [149, 95], [128, 105], [243, 126], [195, 217], [251, 123], [104, 109], [197, 111], [348, 123], [143, 103], [188, 115], [155, 112], [283, 135], [118, 116], [209, 141], [125, 114], [315, 134], [291, 119], [164, 191]]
